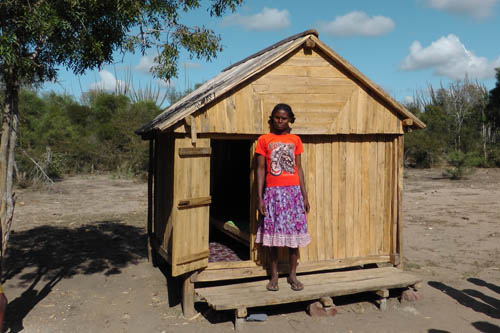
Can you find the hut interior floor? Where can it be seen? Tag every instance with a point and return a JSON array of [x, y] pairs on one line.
[[225, 249], [240, 296]]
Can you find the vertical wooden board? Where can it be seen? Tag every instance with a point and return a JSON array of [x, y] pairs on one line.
[[365, 197], [399, 243], [223, 124], [327, 201], [257, 113], [350, 192], [230, 104], [369, 112], [380, 114], [388, 196], [250, 121], [165, 188], [388, 121], [341, 241], [362, 111], [320, 207], [380, 193], [205, 122], [335, 196], [243, 121], [354, 112], [341, 123], [374, 204], [311, 190], [157, 222], [214, 115], [304, 251], [253, 204], [395, 182], [211, 113], [357, 197]]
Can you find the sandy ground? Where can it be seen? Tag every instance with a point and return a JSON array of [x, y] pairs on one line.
[[77, 263]]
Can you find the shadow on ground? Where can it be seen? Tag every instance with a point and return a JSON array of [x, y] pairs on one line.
[[39, 258], [475, 300]]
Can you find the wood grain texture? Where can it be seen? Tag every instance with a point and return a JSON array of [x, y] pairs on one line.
[[190, 226], [253, 294], [323, 98]]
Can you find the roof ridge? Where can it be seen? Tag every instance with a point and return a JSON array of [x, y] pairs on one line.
[[281, 42]]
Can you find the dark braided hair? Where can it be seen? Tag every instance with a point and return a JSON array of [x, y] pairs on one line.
[[285, 107]]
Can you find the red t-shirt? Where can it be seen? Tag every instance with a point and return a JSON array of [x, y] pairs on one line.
[[280, 152]]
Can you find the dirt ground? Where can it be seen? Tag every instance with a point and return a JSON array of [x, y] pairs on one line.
[[77, 263]]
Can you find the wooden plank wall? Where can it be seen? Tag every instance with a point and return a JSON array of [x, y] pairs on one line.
[[353, 192], [324, 99], [164, 189]]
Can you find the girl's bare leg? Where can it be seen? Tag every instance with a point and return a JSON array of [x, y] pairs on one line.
[[294, 255], [274, 266]]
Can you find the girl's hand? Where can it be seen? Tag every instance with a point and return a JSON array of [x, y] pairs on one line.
[[307, 207], [262, 207]]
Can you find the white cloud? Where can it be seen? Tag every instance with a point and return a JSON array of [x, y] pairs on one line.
[[475, 8], [448, 57], [145, 64], [267, 19], [357, 23], [107, 82]]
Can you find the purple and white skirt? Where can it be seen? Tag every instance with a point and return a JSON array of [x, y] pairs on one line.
[[285, 223]]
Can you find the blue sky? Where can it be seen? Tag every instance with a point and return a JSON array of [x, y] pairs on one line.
[[402, 45]]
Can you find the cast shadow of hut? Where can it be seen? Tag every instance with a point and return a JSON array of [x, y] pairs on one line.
[[39, 258]]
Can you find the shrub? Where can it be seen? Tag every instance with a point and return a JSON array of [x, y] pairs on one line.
[[460, 164]]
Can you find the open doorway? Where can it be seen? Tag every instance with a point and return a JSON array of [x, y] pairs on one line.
[[230, 167]]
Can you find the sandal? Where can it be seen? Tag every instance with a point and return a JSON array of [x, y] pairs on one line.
[[295, 285], [272, 287]]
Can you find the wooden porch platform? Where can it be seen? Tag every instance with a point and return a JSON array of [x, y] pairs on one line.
[[253, 294]]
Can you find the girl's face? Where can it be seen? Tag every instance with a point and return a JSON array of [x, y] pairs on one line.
[[280, 121]]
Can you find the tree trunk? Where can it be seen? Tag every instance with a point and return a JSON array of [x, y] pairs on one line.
[[7, 147]]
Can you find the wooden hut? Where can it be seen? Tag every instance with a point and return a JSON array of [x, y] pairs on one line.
[[201, 153]]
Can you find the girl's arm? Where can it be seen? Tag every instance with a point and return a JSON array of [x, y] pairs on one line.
[[298, 161], [261, 177]]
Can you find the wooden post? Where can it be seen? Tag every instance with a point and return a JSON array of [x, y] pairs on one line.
[[150, 201], [188, 297], [399, 244]]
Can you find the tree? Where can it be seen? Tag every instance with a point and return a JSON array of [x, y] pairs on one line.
[[492, 111], [39, 36], [492, 115]]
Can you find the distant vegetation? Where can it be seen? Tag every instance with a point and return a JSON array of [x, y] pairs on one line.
[[60, 135], [463, 128]]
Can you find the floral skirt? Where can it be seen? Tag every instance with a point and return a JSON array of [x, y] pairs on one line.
[[285, 223]]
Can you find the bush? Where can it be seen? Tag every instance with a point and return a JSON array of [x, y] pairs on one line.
[[460, 164], [494, 157]]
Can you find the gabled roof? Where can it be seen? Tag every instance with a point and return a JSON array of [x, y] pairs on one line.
[[254, 64]]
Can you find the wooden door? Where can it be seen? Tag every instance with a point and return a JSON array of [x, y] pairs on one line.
[[190, 223]]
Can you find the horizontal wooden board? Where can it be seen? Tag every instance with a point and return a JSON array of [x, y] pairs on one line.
[[193, 152], [247, 271], [252, 294]]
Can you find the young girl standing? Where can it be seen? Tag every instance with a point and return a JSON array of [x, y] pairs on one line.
[[283, 202]]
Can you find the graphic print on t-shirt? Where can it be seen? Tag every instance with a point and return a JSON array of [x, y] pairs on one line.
[[282, 158]]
